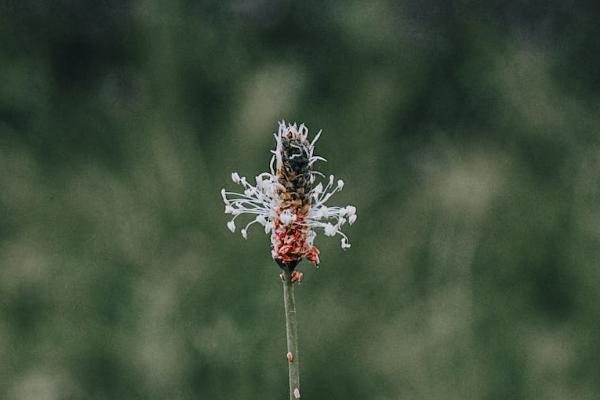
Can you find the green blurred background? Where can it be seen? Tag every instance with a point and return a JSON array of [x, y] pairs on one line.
[[467, 135]]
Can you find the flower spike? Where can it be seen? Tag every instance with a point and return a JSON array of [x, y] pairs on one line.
[[288, 201]]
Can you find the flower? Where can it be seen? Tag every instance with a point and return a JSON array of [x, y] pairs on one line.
[[289, 201]]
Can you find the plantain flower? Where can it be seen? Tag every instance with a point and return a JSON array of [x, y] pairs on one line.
[[289, 202]]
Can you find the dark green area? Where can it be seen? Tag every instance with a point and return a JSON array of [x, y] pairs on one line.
[[468, 138]]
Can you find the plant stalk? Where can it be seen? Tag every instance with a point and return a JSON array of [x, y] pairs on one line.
[[291, 327]]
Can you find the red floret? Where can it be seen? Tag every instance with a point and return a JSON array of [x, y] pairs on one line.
[[290, 242]]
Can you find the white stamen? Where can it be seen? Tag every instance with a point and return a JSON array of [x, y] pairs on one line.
[[224, 196], [317, 136], [261, 220], [231, 226], [318, 189], [330, 230]]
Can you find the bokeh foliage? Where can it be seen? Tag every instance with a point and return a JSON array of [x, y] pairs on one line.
[[468, 139]]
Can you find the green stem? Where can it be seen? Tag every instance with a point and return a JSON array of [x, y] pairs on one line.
[[291, 327]]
